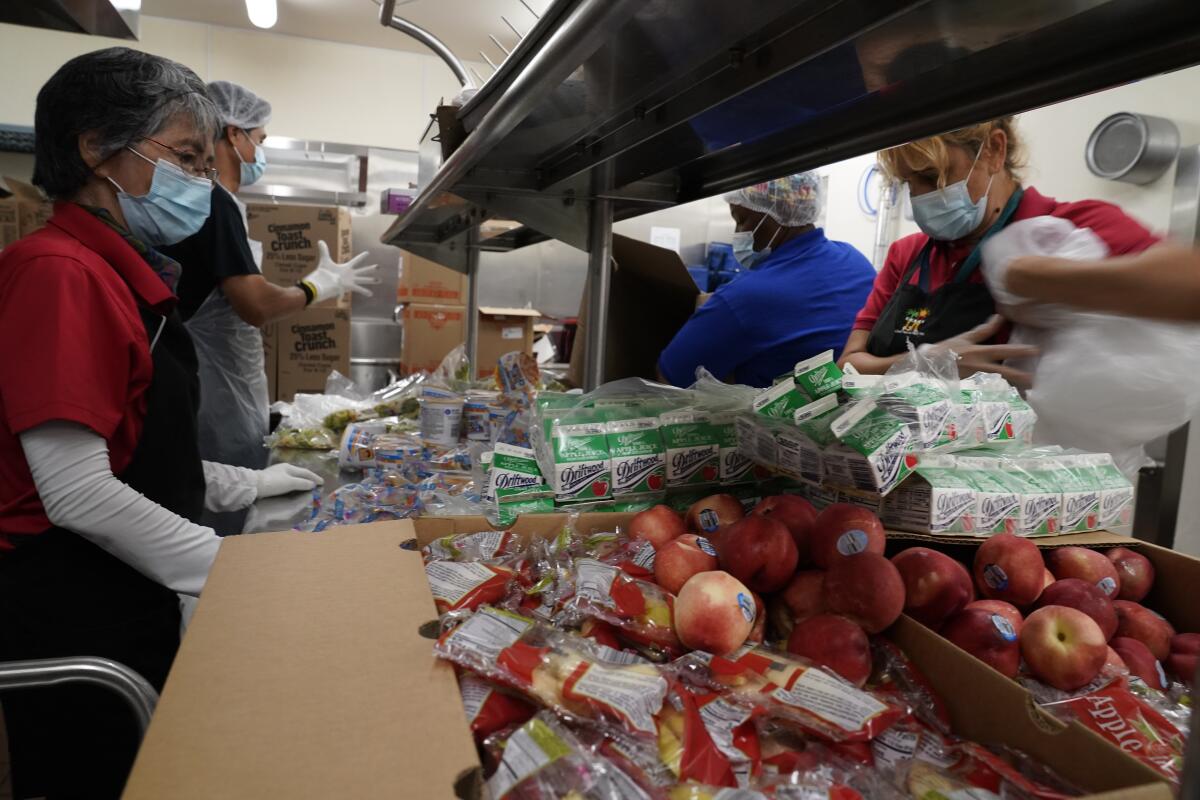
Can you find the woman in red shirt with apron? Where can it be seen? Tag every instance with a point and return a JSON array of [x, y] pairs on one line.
[[965, 187], [102, 479]]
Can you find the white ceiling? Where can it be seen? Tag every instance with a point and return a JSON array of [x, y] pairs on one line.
[[464, 25]]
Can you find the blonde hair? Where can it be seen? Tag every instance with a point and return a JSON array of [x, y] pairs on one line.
[[935, 151]]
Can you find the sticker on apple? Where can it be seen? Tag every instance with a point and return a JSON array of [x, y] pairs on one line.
[[1004, 627], [746, 604], [995, 577], [852, 542], [709, 520], [706, 546], [1108, 586]]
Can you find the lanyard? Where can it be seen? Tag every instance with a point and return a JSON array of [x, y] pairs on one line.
[[972, 261]]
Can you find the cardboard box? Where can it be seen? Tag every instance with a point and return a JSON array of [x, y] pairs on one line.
[[270, 333], [430, 332], [307, 672], [651, 296], [307, 347], [24, 211], [423, 281], [289, 235], [503, 330]]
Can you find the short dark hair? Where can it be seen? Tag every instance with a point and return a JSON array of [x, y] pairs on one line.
[[121, 94]]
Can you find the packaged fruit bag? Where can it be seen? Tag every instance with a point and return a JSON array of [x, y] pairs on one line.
[[693, 450], [563, 672], [640, 610], [488, 708], [706, 738]]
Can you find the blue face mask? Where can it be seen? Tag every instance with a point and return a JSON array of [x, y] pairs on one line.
[[743, 246], [174, 208], [252, 170], [950, 214]]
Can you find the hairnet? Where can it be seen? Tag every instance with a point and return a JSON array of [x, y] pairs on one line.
[[239, 106], [791, 201]]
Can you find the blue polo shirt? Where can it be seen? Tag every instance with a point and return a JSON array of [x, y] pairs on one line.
[[797, 302]]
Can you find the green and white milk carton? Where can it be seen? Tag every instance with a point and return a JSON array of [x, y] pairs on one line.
[[639, 458], [735, 467], [936, 499], [780, 400], [997, 502], [748, 431], [516, 483], [693, 453], [1041, 502], [914, 398], [874, 452], [1116, 492], [1081, 494], [818, 376], [582, 463], [800, 450]]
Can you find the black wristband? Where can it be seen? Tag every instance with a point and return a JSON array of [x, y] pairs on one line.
[[309, 293]]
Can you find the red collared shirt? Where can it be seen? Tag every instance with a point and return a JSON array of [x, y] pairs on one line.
[[74, 347], [1121, 232]]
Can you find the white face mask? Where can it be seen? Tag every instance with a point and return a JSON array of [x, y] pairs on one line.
[[950, 214]]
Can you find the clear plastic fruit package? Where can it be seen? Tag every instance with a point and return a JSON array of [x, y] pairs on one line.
[[573, 676], [792, 691], [478, 546], [488, 708], [706, 738]]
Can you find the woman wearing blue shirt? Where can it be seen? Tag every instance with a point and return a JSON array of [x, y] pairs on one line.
[[798, 297]]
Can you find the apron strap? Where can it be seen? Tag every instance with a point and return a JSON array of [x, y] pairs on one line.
[[972, 263], [921, 262]]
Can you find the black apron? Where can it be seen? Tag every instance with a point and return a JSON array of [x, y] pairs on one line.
[[914, 313], [64, 596]]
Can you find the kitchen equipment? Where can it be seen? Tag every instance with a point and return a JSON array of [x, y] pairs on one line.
[[1132, 148]]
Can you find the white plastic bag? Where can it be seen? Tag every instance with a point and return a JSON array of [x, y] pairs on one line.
[[1103, 383]]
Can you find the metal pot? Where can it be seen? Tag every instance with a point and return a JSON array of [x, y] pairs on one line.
[[375, 346], [1132, 148]]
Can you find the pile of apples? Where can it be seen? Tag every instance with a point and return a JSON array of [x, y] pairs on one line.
[[1067, 615], [824, 583], [821, 578]]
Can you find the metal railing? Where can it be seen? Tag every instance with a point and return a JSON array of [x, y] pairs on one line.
[[131, 687]]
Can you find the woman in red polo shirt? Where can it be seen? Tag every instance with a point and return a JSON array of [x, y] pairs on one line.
[[965, 186], [102, 483]]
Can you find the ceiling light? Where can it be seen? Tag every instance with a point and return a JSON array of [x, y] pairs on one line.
[[262, 13]]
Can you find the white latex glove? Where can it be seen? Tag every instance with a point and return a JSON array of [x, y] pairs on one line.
[[284, 479], [277, 513], [331, 280]]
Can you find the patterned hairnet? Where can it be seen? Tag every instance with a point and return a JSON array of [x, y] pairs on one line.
[[239, 106], [792, 201]]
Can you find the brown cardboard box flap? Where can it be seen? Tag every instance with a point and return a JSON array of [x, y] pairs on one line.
[[303, 676], [24, 191], [494, 311]]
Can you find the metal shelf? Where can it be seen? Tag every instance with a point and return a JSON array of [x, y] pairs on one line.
[[683, 99]]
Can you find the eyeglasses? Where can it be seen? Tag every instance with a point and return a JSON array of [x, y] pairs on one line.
[[188, 161]]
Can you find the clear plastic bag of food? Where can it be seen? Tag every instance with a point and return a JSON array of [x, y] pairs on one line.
[[476, 546], [489, 708], [571, 675], [642, 611], [706, 738], [794, 692], [292, 438]]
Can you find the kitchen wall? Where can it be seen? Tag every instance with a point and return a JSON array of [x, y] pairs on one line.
[[320, 90]]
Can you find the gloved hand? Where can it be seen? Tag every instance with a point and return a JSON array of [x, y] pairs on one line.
[[277, 513], [973, 356], [280, 479], [331, 280]]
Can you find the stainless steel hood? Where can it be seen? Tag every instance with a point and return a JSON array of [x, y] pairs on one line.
[[93, 17]]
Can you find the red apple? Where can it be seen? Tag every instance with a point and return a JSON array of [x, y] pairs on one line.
[[1086, 565], [833, 642], [1009, 568], [680, 559], [759, 630], [1135, 572], [1006, 610], [867, 588], [936, 586], [1114, 662], [1047, 578], [843, 530], [988, 636], [1185, 654], [1087, 597], [713, 514], [657, 525], [1140, 661], [758, 551], [714, 612], [1063, 647], [1138, 622], [796, 514], [804, 596]]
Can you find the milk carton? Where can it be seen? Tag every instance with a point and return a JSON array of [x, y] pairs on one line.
[[874, 452], [780, 400], [915, 400], [1080, 492], [582, 463], [801, 450], [1116, 492], [818, 376], [514, 474], [746, 429], [936, 499], [693, 453], [734, 466], [639, 459], [997, 501], [1041, 502]]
